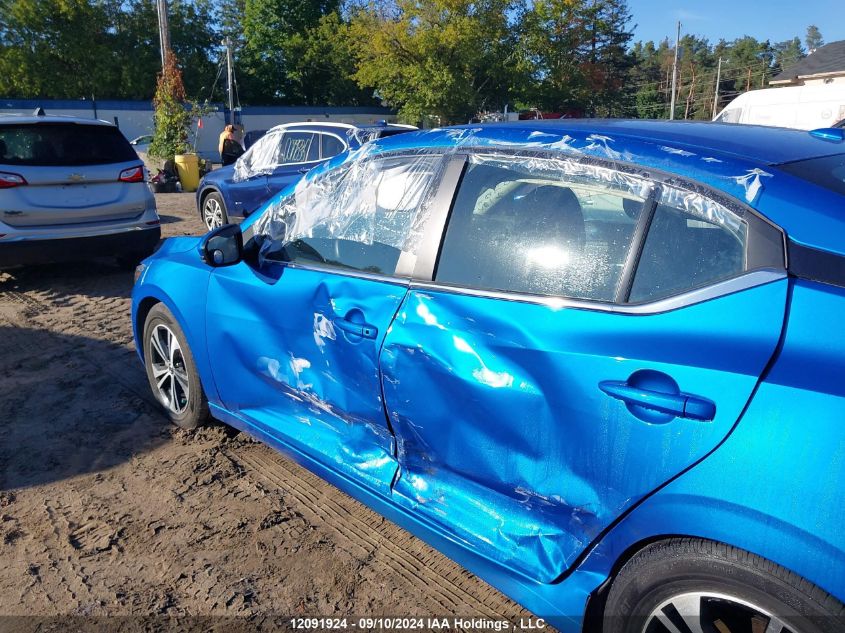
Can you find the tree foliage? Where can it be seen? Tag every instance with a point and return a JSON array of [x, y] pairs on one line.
[[446, 59], [578, 55], [438, 61], [171, 118], [103, 49], [813, 39]]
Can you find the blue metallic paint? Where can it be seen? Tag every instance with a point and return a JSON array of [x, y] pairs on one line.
[[775, 486], [598, 481], [542, 461], [298, 372]]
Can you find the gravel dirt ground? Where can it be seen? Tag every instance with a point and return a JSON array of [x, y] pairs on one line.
[[106, 510]]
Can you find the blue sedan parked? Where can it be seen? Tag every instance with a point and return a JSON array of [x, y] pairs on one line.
[[274, 161], [600, 364]]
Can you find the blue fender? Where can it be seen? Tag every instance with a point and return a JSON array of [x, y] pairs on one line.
[[774, 486], [177, 277]]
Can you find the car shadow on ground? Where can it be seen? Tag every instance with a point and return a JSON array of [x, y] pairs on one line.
[[71, 405], [170, 219], [94, 278]]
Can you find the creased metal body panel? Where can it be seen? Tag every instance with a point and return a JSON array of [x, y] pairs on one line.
[[504, 437], [280, 360]]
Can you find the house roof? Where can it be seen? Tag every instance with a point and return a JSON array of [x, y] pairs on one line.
[[829, 58]]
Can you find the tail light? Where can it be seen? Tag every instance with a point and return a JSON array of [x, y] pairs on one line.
[[8, 180], [133, 174]]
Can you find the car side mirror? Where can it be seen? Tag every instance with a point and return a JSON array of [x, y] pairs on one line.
[[223, 246]]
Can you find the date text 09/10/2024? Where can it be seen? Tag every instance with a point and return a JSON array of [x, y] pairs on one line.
[[417, 624]]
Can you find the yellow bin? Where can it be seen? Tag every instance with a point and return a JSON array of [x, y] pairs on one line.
[[188, 168]]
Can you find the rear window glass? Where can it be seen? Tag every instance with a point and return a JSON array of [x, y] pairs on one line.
[[63, 144], [829, 172]]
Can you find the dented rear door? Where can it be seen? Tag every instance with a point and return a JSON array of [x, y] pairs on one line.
[[513, 432]]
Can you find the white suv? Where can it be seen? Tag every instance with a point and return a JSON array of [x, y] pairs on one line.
[[71, 189]]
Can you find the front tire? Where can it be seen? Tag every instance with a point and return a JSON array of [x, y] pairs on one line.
[[171, 370], [213, 211], [687, 585]]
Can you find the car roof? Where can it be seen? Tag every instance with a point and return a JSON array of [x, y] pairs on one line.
[[754, 143], [341, 126], [50, 118]]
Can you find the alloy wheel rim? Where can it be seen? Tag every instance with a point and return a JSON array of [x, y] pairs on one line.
[[702, 611], [170, 372], [212, 213]]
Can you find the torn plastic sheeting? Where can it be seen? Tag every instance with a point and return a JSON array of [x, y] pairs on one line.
[[701, 206], [694, 203], [260, 159], [267, 154], [751, 183], [362, 201], [558, 168]]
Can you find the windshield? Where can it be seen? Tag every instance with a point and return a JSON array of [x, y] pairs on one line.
[[828, 171], [63, 145]]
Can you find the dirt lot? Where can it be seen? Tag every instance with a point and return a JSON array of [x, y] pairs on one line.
[[108, 510]]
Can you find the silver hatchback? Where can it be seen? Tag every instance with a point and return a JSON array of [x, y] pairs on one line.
[[72, 189]]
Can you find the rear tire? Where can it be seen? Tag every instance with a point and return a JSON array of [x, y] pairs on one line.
[[213, 211], [171, 370], [720, 588]]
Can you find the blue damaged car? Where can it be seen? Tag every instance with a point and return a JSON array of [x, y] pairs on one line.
[[601, 364]]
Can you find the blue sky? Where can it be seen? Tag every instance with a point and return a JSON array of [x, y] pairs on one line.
[[776, 20]]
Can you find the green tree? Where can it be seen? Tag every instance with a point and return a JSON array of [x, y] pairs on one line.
[[100, 48], [813, 39], [651, 79], [788, 53], [448, 59], [322, 64], [554, 37], [271, 32], [578, 55], [54, 49]]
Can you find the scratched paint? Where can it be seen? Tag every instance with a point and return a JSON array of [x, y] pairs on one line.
[[504, 437]]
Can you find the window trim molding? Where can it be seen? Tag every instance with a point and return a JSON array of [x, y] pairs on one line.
[[731, 285]]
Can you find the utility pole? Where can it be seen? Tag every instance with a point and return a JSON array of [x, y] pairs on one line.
[[163, 30], [716, 97], [675, 73], [230, 75]]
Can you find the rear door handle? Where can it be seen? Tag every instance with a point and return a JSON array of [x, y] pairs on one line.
[[681, 405], [364, 330]]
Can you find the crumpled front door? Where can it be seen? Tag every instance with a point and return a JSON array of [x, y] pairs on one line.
[[295, 352]]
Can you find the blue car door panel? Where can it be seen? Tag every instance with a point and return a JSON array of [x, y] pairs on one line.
[[505, 437], [295, 351], [247, 195], [527, 424]]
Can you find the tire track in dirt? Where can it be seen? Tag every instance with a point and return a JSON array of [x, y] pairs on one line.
[[114, 513], [450, 588]]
